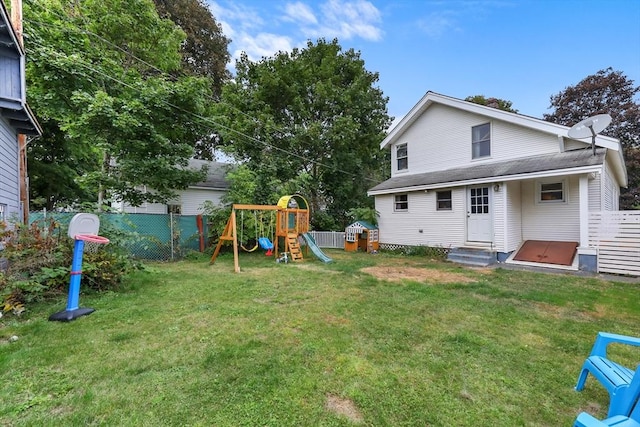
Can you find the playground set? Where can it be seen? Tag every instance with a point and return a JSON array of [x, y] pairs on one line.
[[292, 223]]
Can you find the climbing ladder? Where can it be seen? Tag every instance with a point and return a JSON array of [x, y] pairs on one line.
[[294, 247]]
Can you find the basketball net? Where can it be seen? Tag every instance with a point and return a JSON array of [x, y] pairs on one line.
[[92, 243]]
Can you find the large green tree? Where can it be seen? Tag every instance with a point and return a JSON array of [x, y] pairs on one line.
[[309, 121], [205, 49], [102, 79], [611, 92]]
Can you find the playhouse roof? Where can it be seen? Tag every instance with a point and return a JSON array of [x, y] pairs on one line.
[[363, 224]]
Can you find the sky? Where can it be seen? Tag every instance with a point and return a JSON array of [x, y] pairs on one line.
[[523, 51]]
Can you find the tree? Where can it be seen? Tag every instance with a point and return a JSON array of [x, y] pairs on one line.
[[613, 93], [498, 103], [205, 50], [309, 121], [100, 79]]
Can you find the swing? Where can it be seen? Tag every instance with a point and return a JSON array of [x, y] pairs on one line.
[[264, 242], [242, 232]]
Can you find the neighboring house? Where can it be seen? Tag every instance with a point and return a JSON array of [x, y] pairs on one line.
[[15, 117], [191, 200], [467, 175]]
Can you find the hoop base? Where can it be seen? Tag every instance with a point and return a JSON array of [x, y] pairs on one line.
[[69, 315]]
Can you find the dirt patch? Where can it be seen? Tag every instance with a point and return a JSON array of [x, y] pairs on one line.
[[344, 407], [396, 274]]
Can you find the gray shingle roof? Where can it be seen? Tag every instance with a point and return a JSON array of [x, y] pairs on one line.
[[548, 162], [215, 174]]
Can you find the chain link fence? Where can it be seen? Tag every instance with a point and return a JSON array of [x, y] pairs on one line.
[[161, 237]]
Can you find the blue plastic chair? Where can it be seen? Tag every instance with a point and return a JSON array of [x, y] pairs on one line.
[[633, 420], [622, 383]]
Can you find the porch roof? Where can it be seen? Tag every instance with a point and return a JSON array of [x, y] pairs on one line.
[[566, 163]]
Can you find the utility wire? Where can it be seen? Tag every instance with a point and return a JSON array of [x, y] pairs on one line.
[[207, 120]]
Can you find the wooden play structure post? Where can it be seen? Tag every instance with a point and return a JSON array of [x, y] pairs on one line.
[[292, 220]]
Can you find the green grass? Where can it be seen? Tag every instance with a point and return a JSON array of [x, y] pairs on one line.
[[193, 344]]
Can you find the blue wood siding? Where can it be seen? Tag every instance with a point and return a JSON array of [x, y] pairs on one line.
[[9, 184], [10, 80]]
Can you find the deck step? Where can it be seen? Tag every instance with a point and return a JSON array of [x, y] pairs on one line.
[[472, 256]]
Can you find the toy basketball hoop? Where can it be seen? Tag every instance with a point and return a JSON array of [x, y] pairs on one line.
[[83, 228]]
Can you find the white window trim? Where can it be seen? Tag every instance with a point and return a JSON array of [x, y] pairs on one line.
[[395, 203], [565, 192], [406, 145], [490, 142], [438, 209]]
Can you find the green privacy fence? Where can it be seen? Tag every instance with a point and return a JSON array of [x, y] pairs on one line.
[[147, 236]]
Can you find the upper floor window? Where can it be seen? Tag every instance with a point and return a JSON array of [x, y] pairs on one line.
[[401, 203], [443, 200], [402, 157], [481, 141], [551, 192]]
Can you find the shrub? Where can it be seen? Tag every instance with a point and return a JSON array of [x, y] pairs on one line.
[[38, 262]]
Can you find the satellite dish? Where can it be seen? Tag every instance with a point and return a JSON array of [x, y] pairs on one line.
[[590, 127]]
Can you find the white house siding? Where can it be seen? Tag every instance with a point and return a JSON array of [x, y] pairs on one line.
[[594, 188], [611, 191], [9, 178], [192, 199], [439, 228], [513, 206], [551, 221], [441, 139], [499, 200], [572, 144]]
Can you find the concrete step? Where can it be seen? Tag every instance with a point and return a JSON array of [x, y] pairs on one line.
[[472, 256]]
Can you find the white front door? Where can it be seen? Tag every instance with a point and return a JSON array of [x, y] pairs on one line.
[[479, 222]]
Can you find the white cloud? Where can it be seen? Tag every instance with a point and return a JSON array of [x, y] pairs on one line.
[[262, 44], [349, 19], [261, 31], [299, 12]]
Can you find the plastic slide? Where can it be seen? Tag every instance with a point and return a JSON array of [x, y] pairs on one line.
[[315, 248]]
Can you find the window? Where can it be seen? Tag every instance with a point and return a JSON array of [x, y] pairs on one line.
[[174, 209], [3, 209], [402, 157], [443, 200], [481, 141], [479, 200], [551, 192], [401, 203]]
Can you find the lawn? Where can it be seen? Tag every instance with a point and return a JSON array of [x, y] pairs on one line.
[[381, 340]]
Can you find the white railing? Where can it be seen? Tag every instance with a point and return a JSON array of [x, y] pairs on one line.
[[616, 236], [329, 239]]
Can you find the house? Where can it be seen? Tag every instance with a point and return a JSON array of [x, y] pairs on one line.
[[15, 119], [190, 200], [465, 175]]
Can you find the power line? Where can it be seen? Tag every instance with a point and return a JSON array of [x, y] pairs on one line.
[[206, 120]]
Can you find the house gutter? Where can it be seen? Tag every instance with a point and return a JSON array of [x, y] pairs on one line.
[[491, 179]]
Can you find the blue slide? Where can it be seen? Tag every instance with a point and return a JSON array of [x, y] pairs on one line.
[[315, 248]]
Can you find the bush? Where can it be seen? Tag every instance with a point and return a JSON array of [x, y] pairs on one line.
[[37, 263]]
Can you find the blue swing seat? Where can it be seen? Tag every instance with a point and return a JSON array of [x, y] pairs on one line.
[[265, 243]]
